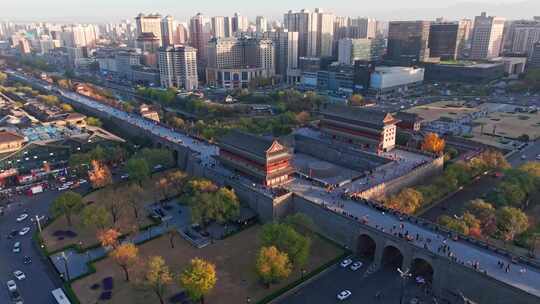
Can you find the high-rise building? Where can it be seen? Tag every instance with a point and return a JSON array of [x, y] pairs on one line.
[[366, 49], [445, 39], [325, 33], [315, 32], [239, 24], [487, 37], [261, 24], [408, 42], [178, 67], [286, 50], [149, 24], [221, 27], [80, 36], [181, 34], [520, 36], [235, 62], [167, 31], [362, 28], [534, 61], [200, 33]]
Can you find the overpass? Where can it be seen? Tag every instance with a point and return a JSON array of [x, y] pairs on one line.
[[463, 265]]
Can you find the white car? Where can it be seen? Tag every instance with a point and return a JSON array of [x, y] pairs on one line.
[[356, 265], [11, 285], [62, 188], [22, 217], [345, 294], [19, 275], [24, 231], [538, 157], [346, 263], [17, 247]]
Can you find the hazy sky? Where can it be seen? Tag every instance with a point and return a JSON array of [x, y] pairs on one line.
[[112, 10]]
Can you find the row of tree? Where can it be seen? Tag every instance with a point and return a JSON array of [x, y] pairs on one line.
[[197, 279], [456, 175]]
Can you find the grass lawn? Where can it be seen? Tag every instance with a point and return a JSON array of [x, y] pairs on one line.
[[234, 258], [87, 235]]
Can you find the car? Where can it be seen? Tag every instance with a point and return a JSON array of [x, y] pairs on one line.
[[82, 181], [17, 247], [22, 217], [62, 188], [356, 265], [346, 263], [16, 297], [343, 295], [538, 157], [124, 176], [523, 157], [24, 231], [27, 260], [11, 285], [19, 275], [12, 234]]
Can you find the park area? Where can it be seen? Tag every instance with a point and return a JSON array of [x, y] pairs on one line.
[[126, 201], [234, 258]]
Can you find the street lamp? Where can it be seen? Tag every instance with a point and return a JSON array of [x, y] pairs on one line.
[[64, 257], [303, 272], [404, 275], [248, 300]]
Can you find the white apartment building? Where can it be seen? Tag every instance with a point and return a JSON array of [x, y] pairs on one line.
[[487, 38], [178, 67]]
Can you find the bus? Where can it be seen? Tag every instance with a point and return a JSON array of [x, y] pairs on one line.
[[60, 296]]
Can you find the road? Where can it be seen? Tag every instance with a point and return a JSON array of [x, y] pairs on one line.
[[530, 152], [40, 280], [386, 282], [463, 251]]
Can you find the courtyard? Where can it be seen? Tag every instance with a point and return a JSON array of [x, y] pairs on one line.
[[234, 258]]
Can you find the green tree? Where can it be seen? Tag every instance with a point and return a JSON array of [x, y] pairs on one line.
[[221, 206], [49, 100], [96, 216], [66, 107], [3, 77], [511, 222], [408, 201], [93, 121], [156, 157], [286, 239], [454, 224], [67, 204], [272, 265], [138, 170], [158, 277], [301, 223], [198, 279], [481, 209]]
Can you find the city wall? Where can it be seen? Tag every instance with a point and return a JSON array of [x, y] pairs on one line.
[[449, 278], [415, 177]]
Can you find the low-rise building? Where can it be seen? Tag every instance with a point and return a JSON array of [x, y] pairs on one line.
[[10, 141], [262, 159], [148, 112], [469, 72], [386, 80], [370, 129]]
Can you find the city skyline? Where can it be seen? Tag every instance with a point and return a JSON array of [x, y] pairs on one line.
[[60, 11]]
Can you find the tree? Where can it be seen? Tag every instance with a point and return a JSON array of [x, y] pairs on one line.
[[454, 224], [158, 276], [221, 206], [482, 210], [511, 222], [95, 215], [66, 107], [198, 279], [113, 201], [133, 196], [67, 204], [287, 240], [138, 170], [272, 265], [432, 143], [49, 100], [533, 168], [93, 121], [301, 223], [125, 255], [156, 157], [108, 237], [408, 200], [303, 117], [100, 175], [3, 77], [357, 100]]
